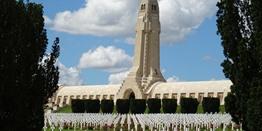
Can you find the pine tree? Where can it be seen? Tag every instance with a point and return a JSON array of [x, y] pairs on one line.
[[28, 76], [239, 24], [254, 112]]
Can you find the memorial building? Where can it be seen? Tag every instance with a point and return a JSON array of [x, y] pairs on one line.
[[145, 79]]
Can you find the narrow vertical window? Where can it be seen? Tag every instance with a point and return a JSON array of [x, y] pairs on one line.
[[143, 6], [154, 7]]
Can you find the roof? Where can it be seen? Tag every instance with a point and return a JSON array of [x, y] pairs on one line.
[[197, 86], [157, 88], [88, 90]]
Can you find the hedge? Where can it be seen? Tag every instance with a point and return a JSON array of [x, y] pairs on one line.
[[107, 106], [92, 106], [137, 106], [77, 106], [189, 105], [154, 105], [122, 106], [88, 106], [210, 105], [169, 105]]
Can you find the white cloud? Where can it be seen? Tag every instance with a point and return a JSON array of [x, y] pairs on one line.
[[99, 18], [180, 17], [109, 58], [173, 79], [118, 17], [69, 76], [117, 78], [48, 21]]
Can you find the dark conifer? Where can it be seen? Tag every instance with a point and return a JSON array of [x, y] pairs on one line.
[[28, 77], [239, 24]]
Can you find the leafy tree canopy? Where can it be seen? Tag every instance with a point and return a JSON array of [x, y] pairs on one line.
[[240, 28], [28, 76]]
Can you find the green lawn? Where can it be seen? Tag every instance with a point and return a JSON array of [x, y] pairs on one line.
[[67, 109]]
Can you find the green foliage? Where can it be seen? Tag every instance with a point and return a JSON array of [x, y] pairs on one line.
[[222, 108], [92, 106], [88, 106], [231, 106], [239, 24], [77, 106], [154, 105], [137, 106], [188, 105], [211, 105], [65, 109], [122, 106], [107, 106], [27, 79], [254, 115], [169, 105]]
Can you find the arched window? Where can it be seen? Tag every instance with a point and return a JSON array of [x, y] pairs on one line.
[[154, 7], [143, 6]]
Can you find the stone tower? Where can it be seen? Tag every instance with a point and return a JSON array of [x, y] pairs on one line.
[[146, 65]]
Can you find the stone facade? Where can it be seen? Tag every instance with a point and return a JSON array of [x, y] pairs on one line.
[[176, 90]]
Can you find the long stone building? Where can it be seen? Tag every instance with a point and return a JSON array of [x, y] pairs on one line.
[[145, 79]]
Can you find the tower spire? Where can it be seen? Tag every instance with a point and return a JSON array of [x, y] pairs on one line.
[[146, 64]]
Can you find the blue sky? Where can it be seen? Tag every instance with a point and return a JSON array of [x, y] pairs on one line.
[[97, 35]]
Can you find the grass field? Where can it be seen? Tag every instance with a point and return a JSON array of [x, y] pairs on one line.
[[67, 109]]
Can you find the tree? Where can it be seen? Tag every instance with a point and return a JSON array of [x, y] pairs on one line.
[[254, 104], [210, 105], [189, 105], [169, 105], [28, 75], [239, 24], [137, 106], [122, 106], [107, 106], [154, 105]]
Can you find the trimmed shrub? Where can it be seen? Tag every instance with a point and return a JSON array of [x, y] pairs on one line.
[[137, 106], [189, 105], [92, 106], [122, 106], [107, 106], [77, 106], [210, 105], [169, 105], [154, 105]]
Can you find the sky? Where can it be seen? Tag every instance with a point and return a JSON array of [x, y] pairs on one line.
[[97, 39]]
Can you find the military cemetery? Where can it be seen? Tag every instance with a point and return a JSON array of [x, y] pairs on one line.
[[39, 93]]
